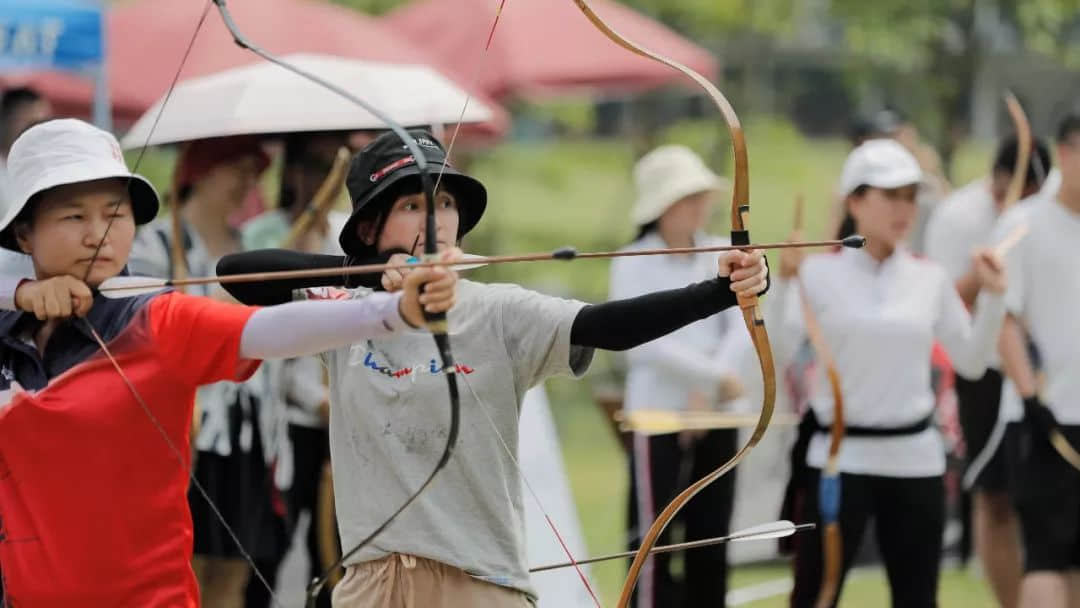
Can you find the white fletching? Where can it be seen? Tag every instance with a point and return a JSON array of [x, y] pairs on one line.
[[128, 287], [776, 529], [469, 266]]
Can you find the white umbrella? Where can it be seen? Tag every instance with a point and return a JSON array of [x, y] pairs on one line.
[[265, 98]]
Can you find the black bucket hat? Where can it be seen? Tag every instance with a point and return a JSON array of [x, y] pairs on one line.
[[386, 161]]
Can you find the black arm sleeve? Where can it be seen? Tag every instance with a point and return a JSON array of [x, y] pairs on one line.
[[269, 293], [624, 324]]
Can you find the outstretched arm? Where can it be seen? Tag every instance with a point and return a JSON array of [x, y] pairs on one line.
[[968, 340], [279, 292], [624, 324], [317, 326]]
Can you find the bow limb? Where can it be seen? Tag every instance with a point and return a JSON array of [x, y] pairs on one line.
[[829, 490], [324, 199], [437, 327], [1023, 151], [755, 324], [179, 266], [436, 323], [1013, 195], [483, 407]]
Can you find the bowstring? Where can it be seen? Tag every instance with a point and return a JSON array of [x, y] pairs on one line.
[[441, 339], [532, 492], [153, 127], [116, 365], [180, 459], [472, 83], [484, 55]]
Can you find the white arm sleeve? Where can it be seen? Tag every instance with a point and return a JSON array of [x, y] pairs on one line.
[[298, 329], [969, 342], [8, 285]]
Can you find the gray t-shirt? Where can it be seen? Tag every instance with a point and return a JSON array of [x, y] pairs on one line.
[[390, 415]]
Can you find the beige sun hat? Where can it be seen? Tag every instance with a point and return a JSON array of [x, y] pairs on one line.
[[665, 176]]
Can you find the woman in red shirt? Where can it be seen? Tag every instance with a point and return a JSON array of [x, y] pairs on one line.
[[94, 443]]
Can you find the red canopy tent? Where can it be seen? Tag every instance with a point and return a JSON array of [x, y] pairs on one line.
[[544, 47], [147, 39]]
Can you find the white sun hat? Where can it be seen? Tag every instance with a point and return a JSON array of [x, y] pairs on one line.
[[879, 163], [665, 176], [67, 151]]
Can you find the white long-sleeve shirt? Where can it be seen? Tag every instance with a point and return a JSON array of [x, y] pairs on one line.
[[1012, 406], [299, 384], [960, 224], [1044, 295], [880, 320], [665, 372]]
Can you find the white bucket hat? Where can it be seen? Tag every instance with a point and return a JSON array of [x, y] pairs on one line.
[[879, 163], [665, 176], [67, 151]]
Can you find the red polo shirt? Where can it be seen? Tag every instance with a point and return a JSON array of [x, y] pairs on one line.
[[93, 501]]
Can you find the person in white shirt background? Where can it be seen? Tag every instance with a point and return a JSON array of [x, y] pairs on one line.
[[306, 161], [880, 310], [240, 434], [20, 107], [693, 368], [963, 222], [1043, 298]]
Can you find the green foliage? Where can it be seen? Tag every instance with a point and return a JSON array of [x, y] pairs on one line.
[[1047, 24], [705, 18], [373, 7]]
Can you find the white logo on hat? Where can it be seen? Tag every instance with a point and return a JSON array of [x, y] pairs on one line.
[[425, 142], [114, 147]]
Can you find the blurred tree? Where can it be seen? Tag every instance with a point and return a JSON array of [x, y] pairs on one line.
[[946, 42], [373, 7], [924, 54]]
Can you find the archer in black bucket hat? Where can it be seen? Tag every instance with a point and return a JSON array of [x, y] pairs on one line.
[[385, 170]]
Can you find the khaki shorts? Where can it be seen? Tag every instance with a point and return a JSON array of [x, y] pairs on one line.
[[405, 581]]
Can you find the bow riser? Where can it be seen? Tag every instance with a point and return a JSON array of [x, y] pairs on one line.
[[740, 209]]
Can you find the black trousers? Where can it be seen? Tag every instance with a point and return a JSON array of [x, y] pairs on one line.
[[311, 450], [660, 469], [909, 520]]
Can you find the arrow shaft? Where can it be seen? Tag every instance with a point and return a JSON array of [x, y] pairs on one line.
[[504, 259], [697, 544]]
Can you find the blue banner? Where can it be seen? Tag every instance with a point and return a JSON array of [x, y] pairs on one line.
[[51, 34]]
